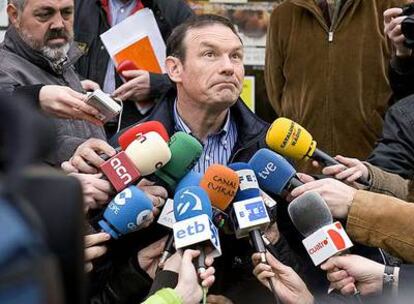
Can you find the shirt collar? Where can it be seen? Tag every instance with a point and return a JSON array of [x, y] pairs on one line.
[[180, 125]]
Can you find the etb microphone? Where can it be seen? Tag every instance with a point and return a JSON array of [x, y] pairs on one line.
[[274, 173], [131, 134], [312, 218], [194, 228], [292, 140], [126, 213], [142, 157]]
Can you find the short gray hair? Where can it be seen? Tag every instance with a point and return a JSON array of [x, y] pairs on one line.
[[19, 4]]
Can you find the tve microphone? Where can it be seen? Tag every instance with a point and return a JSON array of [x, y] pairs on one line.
[[142, 157], [136, 131], [292, 140], [274, 173], [312, 218], [185, 151], [221, 184], [126, 212], [194, 228]]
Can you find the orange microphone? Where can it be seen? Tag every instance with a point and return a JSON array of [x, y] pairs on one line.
[[221, 184]]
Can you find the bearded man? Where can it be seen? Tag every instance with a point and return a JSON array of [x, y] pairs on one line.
[[36, 59]]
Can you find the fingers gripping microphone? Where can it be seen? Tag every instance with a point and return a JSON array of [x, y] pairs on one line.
[[312, 218], [274, 173], [142, 157], [185, 151], [194, 228], [221, 184], [126, 213], [292, 140], [131, 134]]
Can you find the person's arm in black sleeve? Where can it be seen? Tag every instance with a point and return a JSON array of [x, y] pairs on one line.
[[159, 84], [164, 279], [127, 283], [395, 149], [29, 93], [401, 75]]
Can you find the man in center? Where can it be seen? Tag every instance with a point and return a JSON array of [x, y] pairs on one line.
[[205, 61]]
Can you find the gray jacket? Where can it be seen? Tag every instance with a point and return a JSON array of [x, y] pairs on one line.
[[20, 65]]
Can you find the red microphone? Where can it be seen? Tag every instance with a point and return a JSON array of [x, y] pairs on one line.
[[126, 65], [136, 131], [142, 157]]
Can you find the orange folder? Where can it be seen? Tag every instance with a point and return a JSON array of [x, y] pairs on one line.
[[141, 54]]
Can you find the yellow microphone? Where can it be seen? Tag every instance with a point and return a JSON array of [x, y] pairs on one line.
[[290, 139]]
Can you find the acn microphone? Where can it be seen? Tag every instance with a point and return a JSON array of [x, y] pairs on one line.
[[142, 157]]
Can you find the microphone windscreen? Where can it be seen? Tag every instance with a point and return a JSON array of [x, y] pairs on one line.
[[192, 178], [273, 172], [185, 151], [148, 153], [290, 139], [309, 213], [221, 184], [126, 138], [190, 202], [127, 211], [248, 186]]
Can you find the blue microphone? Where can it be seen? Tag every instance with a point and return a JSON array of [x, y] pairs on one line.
[[126, 213], [167, 217], [194, 228], [249, 212], [192, 178], [274, 173]]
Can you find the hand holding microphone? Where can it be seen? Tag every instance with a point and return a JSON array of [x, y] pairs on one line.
[[288, 285], [292, 140], [349, 171], [346, 273]]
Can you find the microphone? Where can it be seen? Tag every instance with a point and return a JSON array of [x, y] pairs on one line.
[[274, 173], [125, 65], [194, 228], [292, 140], [249, 212], [142, 157], [131, 134], [126, 213], [192, 178], [167, 217], [221, 184], [312, 218], [185, 151]]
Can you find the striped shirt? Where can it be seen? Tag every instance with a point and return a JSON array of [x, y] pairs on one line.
[[217, 147]]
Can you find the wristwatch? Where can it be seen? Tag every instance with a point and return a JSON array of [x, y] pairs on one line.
[[388, 280]]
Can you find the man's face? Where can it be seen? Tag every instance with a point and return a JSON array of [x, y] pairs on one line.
[[46, 26], [212, 72]]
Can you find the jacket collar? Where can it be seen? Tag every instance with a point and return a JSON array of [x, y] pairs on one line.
[[15, 44], [249, 126]]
